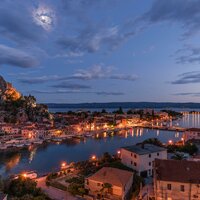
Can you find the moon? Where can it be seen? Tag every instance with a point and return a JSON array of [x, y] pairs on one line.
[[44, 17]]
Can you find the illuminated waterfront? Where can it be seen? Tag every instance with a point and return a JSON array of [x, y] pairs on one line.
[[48, 157], [189, 120]]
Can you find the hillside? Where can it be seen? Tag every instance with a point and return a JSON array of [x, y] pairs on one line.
[[16, 108]]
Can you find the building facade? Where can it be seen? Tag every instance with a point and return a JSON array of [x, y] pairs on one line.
[[192, 134], [120, 182], [141, 157], [176, 180]]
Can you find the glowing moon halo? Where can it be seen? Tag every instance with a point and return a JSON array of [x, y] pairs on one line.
[[44, 17]]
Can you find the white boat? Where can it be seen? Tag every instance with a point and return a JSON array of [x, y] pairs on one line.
[[19, 145], [38, 141], [57, 139]]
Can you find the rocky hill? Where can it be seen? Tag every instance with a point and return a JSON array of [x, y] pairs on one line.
[[8, 92], [16, 108]]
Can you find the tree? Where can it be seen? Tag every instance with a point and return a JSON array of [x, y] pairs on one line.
[[105, 188], [178, 156], [23, 187], [130, 112], [153, 141], [103, 111], [106, 157]]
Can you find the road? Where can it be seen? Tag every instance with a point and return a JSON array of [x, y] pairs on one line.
[[54, 193]]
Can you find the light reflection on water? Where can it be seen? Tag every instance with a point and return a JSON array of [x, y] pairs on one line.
[[48, 157], [189, 121]]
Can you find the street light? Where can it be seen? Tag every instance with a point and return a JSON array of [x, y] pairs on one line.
[[63, 165], [170, 142], [94, 157], [24, 175]]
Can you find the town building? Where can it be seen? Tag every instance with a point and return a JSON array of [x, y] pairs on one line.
[[192, 134], [140, 157], [110, 183], [176, 180]]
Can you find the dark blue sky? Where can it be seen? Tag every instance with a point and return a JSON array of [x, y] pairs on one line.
[[71, 51]]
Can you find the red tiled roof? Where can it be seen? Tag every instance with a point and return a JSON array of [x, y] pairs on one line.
[[113, 176], [194, 129], [178, 171]]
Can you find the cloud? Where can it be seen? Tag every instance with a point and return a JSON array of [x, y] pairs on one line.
[[188, 54], [100, 72], [91, 39], [189, 77], [109, 93], [184, 12], [194, 94], [61, 91], [16, 22], [38, 80], [124, 77], [18, 58], [94, 73], [67, 85]]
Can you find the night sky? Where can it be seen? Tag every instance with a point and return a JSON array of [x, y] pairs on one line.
[[72, 51]]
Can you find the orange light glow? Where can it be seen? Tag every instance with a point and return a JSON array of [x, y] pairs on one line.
[[93, 157], [63, 164], [24, 175], [170, 141]]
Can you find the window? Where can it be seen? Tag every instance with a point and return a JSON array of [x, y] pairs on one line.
[[131, 154], [149, 155], [131, 162], [87, 182], [135, 164], [149, 163], [135, 156], [98, 184], [182, 188], [158, 154], [169, 186]]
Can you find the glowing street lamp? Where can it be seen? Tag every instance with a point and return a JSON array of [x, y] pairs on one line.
[[24, 175], [94, 157], [170, 142], [118, 152], [63, 165], [182, 139]]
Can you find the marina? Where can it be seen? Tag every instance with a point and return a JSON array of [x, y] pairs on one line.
[[48, 156]]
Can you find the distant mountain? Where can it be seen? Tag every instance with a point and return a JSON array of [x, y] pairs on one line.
[[127, 105]]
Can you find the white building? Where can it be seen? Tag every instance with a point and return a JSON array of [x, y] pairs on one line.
[[141, 157]]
